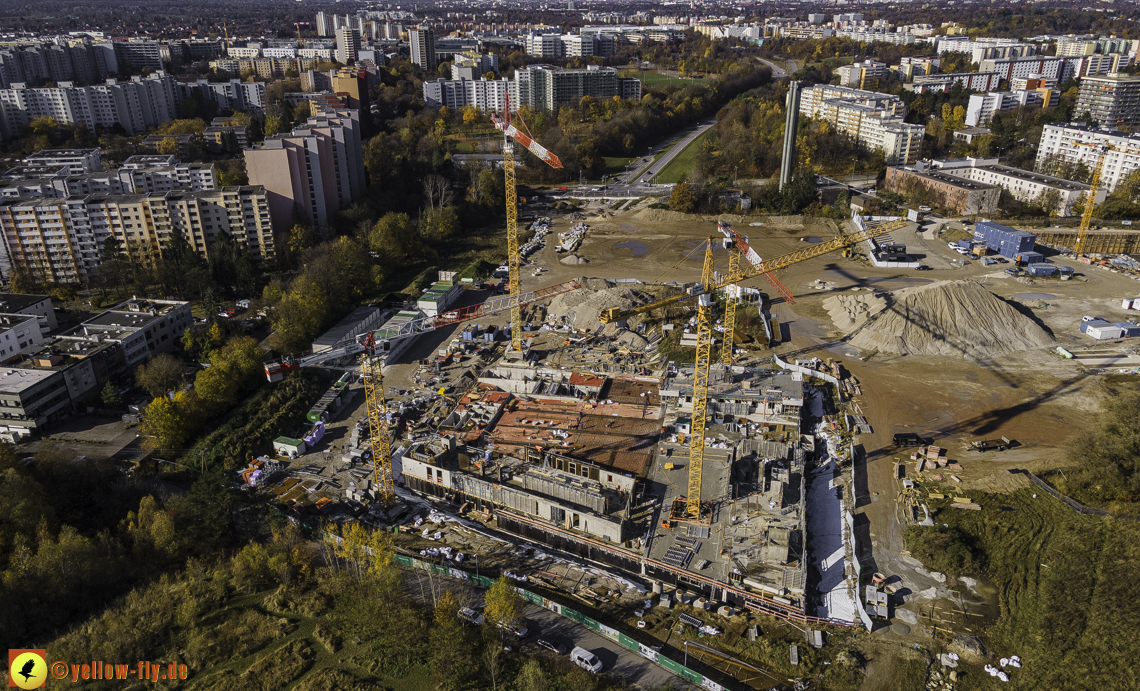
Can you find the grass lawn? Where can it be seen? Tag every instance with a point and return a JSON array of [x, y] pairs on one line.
[[653, 80], [1066, 584], [683, 162]]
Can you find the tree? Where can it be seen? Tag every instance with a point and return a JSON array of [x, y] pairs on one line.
[[439, 224], [683, 199], [393, 237], [437, 191], [162, 373], [164, 424], [532, 677], [168, 146], [110, 396], [502, 603]]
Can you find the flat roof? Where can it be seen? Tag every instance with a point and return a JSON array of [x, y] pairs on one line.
[[948, 179], [59, 153], [1036, 177], [14, 302], [18, 379], [346, 325]]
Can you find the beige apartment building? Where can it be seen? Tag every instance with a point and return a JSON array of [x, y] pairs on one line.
[[61, 241]]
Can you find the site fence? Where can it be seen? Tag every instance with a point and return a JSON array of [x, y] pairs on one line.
[[849, 522], [1073, 503], [625, 641]]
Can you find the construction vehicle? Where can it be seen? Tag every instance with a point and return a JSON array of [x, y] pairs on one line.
[[992, 444], [689, 507], [511, 134]]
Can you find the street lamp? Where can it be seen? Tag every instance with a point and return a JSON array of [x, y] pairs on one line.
[[735, 177]]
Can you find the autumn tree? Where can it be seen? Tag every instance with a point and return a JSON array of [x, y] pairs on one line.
[[503, 604], [683, 199], [162, 373]]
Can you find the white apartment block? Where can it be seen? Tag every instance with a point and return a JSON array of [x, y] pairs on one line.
[[484, 94], [543, 45], [1079, 143], [877, 36], [963, 44], [136, 105], [873, 120], [1053, 70], [856, 74], [61, 240], [1071, 46], [232, 95], [126, 180], [983, 106], [77, 161], [279, 53], [18, 331], [1022, 185], [246, 52]]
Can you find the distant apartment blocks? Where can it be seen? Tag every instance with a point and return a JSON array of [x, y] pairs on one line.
[[540, 87], [873, 120], [138, 175], [1112, 100]]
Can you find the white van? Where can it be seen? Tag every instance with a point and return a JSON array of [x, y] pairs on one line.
[[586, 660]]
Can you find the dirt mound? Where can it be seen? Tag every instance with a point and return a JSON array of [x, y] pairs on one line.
[[850, 311], [573, 259], [953, 318], [579, 309], [663, 216]]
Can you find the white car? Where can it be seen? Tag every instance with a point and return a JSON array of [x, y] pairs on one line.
[[952, 245], [586, 660]]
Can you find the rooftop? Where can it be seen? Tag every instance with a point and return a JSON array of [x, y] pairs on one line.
[[62, 153], [1036, 177], [15, 380], [14, 302], [947, 179]]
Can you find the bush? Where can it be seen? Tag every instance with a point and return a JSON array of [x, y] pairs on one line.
[[943, 549]]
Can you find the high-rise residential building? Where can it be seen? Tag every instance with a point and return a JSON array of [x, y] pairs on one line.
[[543, 87], [943, 83], [857, 74], [873, 120], [347, 45], [352, 82], [1079, 143], [1056, 70], [982, 107], [1112, 100], [138, 175], [135, 105], [324, 24], [485, 94], [61, 240], [314, 170], [422, 43]]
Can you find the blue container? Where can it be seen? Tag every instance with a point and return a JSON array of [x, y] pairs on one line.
[[1130, 329], [1004, 240]]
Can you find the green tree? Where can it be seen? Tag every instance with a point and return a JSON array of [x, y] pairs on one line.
[[452, 659], [168, 146], [162, 373], [165, 425], [683, 199], [110, 396], [393, 237]]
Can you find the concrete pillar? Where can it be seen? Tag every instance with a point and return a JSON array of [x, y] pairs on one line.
[[791, 119]]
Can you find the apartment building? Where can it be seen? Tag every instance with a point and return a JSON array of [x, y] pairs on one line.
[[1022, 185], [1079, 143], [232, 95], [485, 94], [982, 107], [910, 67], [865, 36], [422, 48], [543, 87], [955, 194], [873, 120], [1053, 70], [472, 65], [77, 60], [38, 306], [316, 169], [943, 83], [61, 240], [76, 161], [1113, 100], [347, 45], [135, 105], [18, 331], [856, 75], [1071, 46]]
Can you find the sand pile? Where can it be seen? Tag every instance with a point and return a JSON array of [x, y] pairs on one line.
[[573, 259], [848, 312], [953, 318], [579, 309]]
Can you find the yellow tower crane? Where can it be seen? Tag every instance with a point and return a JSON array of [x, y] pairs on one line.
[[510, 135], [731, 297], [1090, 200], [705, 292], [383, 485]]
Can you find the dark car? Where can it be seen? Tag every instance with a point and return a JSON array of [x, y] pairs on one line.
[[552, 645], [922, 267]]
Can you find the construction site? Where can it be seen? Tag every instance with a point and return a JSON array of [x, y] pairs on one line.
[[709, 413]]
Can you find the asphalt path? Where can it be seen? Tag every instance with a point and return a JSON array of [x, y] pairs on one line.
[[655, 167]]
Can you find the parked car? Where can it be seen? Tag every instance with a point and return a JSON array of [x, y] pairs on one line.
[[586, 660], [556, 647], [471, 616], [922, 267], [516, 628], [952, 245], [924, 209]]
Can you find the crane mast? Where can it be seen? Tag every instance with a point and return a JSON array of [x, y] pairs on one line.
[[383, 485], [1090, 202], [700, 387]]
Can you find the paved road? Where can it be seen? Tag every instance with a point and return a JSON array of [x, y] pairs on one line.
[[615, 659], [657, 166], [777, 71]]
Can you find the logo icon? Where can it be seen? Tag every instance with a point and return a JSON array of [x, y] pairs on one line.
[[27, 668]]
